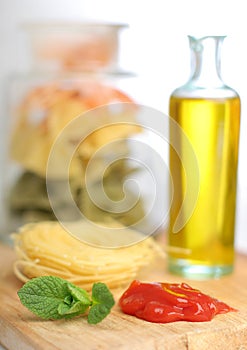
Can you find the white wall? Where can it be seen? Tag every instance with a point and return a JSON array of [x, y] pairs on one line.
[[156, 46]]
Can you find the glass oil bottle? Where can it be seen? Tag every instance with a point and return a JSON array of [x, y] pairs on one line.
[[202, 214]]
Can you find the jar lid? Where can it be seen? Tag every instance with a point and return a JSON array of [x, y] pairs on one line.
[[74, 46]]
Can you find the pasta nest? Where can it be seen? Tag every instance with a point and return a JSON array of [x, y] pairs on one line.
[[46, 248]]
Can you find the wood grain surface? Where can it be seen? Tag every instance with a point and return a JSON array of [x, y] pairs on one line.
[[21, 330]]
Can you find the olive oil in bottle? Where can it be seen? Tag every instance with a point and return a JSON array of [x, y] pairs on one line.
[[208, 112]]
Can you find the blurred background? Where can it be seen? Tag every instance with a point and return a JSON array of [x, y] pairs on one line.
[[154, 46]]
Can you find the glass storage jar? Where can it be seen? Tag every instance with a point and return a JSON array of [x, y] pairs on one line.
[[75, 119]]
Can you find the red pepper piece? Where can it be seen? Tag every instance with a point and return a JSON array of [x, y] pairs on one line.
[[169, 302]]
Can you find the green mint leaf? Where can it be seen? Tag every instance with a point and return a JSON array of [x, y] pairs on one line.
[[75, 309], [97, 313], [102, 295], [79, 294], [103, 301], [42, 296]]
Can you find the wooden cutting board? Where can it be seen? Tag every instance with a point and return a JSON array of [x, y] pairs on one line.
[[19, 329]]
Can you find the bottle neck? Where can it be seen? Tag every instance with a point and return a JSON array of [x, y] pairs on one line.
[[205, 61]]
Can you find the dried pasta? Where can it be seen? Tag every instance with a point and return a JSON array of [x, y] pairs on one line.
[[47, 111], [45, 248]]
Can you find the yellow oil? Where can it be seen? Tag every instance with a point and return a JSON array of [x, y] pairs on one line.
[[212, 127]]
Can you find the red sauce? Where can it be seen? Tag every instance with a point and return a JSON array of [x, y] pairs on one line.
[[169, 302]]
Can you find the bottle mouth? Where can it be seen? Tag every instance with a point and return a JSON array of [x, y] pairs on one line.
[[197, 43]]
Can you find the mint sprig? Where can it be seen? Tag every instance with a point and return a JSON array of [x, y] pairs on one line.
[[51, 297]]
